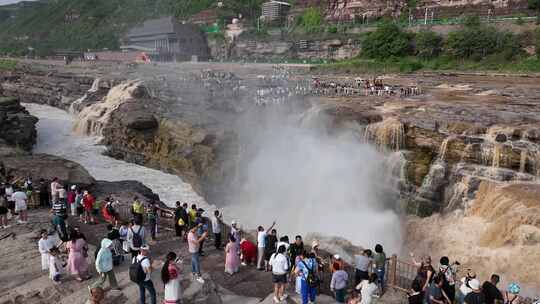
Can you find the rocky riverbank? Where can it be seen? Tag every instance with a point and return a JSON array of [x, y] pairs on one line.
[[463, 134]]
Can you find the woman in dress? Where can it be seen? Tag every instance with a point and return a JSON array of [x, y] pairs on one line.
[[232, 256], [170, 275], [368, 288], [78, 252]]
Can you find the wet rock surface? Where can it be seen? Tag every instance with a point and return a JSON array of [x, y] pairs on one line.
[[17, 126]]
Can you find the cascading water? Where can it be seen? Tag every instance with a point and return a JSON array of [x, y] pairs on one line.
[[444, 147], [523, 161], [389, 133], [55, 136], [92, 119]]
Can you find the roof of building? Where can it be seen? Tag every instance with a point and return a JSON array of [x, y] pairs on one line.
[[153, 27]]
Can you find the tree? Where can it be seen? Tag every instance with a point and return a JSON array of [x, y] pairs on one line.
[[534, 4], [388, 40], [478, 42], [311, 17], [428, 44]]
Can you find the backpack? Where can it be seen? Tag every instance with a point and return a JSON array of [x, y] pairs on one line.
[[136, 272], [312, 280], [137, 239]]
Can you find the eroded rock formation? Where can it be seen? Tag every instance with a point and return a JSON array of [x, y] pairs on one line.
[[17, 126]]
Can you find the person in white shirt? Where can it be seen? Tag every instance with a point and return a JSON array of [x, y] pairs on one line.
[[55, 265], [368, 288], [280, 268], [55, 186], [217, 221], [261, 243], [20, 199], [44, 246], [147, 268]]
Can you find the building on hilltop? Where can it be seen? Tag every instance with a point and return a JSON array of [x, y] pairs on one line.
[[166, 39], [275, 11]]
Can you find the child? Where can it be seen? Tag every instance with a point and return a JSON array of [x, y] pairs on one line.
[[44, 246], [354, 298], [55, 265]]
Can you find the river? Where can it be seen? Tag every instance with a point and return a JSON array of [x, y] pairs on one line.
[[55, 137]]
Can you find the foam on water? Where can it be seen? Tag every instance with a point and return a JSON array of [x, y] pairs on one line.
[[55, 137]]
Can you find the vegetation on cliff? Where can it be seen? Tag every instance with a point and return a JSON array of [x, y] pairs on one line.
[[476, 46]]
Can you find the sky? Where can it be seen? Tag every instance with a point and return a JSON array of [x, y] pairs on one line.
[[3, 2]]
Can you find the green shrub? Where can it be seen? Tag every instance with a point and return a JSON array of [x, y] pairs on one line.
[[409, 66], [332, 29], [537, 42], [428, 44], [7, 65], [311, 18], [534, 4], [388, 40], [481, 41], [471, 21]]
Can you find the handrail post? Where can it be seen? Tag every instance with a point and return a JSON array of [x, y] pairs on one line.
[[393, 270]]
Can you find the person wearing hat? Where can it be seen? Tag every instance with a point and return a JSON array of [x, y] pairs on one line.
[[475, 296], [465, 288], [104, 265], [147, 284], [512, 294], [71, 195]]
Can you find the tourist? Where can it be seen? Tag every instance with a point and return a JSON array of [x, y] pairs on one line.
[[79, 204], [435, 293], [59, 208], [307, 270], [475, 296], [280, 268], [136, 237], [44, 246], [123, 233], [202, 228], [144, 261], [270, 248], [511, 295], [192, 214], [55, 265], [62, 194], [296, 248], [449, 277], [9, 190], [336, 260], [152, 216], [71, 195], [261, 242], [59, 225], [368, 288], [109, 213], [465, 288], [88, 204], [170, 276], [104, 265], [354, 298], [29, 190], [3, 212], [43, 194], [217, 222], [78, 252], [180, 221], [248, 252], [338, 284], [363, 264], [21, 206], [112, 232], [96, 209], [137, 210], [492, 294], [379, 260], [193, 247], [232, 257], [55, 186], [425, 271], [416, 295], [235, 232], [317, 252], [298, 278]]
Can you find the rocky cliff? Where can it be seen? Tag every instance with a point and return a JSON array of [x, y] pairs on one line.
[[17, 126]]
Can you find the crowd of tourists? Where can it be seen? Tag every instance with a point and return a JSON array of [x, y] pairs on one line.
[[294, 266], [361, 87]]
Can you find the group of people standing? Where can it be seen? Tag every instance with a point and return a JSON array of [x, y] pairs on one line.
[[441, 286]]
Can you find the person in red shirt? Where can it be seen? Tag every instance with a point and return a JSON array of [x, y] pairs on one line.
[[249, 252], [88, 204]]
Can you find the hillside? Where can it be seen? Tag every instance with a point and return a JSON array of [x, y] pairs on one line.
[[73, 25]]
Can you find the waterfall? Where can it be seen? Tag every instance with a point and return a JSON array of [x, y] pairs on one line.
[[91, 120], [389, 133], [444, 147], [95, 85], [74, 105], [496, 156], [523, 161]]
